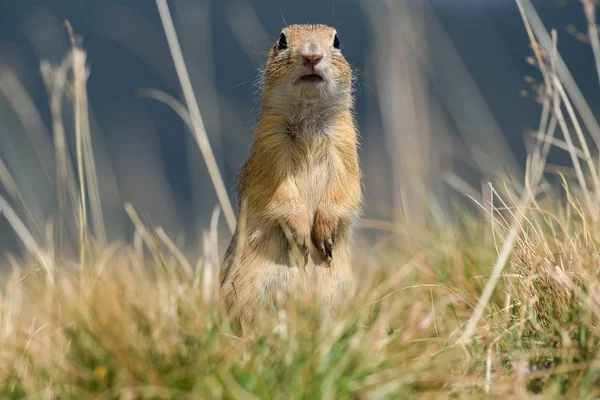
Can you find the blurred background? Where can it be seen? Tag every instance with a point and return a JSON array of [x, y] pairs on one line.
[[445, 99]]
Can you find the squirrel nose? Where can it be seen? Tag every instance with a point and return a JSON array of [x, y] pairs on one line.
[[311, 54], [311, 59]]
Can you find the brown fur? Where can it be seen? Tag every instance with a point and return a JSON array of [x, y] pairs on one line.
[[302, 174]]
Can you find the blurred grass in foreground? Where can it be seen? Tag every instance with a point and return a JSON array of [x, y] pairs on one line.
[[432, 318]]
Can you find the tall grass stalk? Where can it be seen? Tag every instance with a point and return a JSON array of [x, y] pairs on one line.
[[196, 118]]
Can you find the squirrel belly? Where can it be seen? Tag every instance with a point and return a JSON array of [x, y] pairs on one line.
[[299, 190]]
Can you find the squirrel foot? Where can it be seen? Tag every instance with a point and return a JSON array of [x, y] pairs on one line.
[[324, 236]]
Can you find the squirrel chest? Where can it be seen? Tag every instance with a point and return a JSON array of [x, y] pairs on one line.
[[313, 163]]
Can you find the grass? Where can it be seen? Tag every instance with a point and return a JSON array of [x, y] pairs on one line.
[[125, 326], [504, 303]]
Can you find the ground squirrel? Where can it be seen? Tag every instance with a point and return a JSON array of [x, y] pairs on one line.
[[300, 187]]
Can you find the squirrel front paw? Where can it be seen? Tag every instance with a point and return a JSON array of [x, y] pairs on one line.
[[297, 231], [324, 236]]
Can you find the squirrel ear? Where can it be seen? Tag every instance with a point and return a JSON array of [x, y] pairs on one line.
[[282, 42]]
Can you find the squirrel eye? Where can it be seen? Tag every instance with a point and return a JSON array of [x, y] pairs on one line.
[[282, 43], [336, 41]]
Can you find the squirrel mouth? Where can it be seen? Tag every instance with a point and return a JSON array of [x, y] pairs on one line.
[[311, 78]]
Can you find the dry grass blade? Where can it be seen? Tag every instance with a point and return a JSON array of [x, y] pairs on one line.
[[170, 101], [19, 227], [144, 235], [85, 156], [560, 144], [209, 281], [214, 242], [55, 80], [185, 264], [544, 38], [31, 119], [82, 204], [579, 132], [461, 186], [503, 257], [11, 187], [571, 147], [194, 111], [589, 8]]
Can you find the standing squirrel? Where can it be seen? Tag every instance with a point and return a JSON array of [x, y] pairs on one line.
[[299, 190]]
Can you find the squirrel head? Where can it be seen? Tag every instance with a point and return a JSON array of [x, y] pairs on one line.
[[306, 66]]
